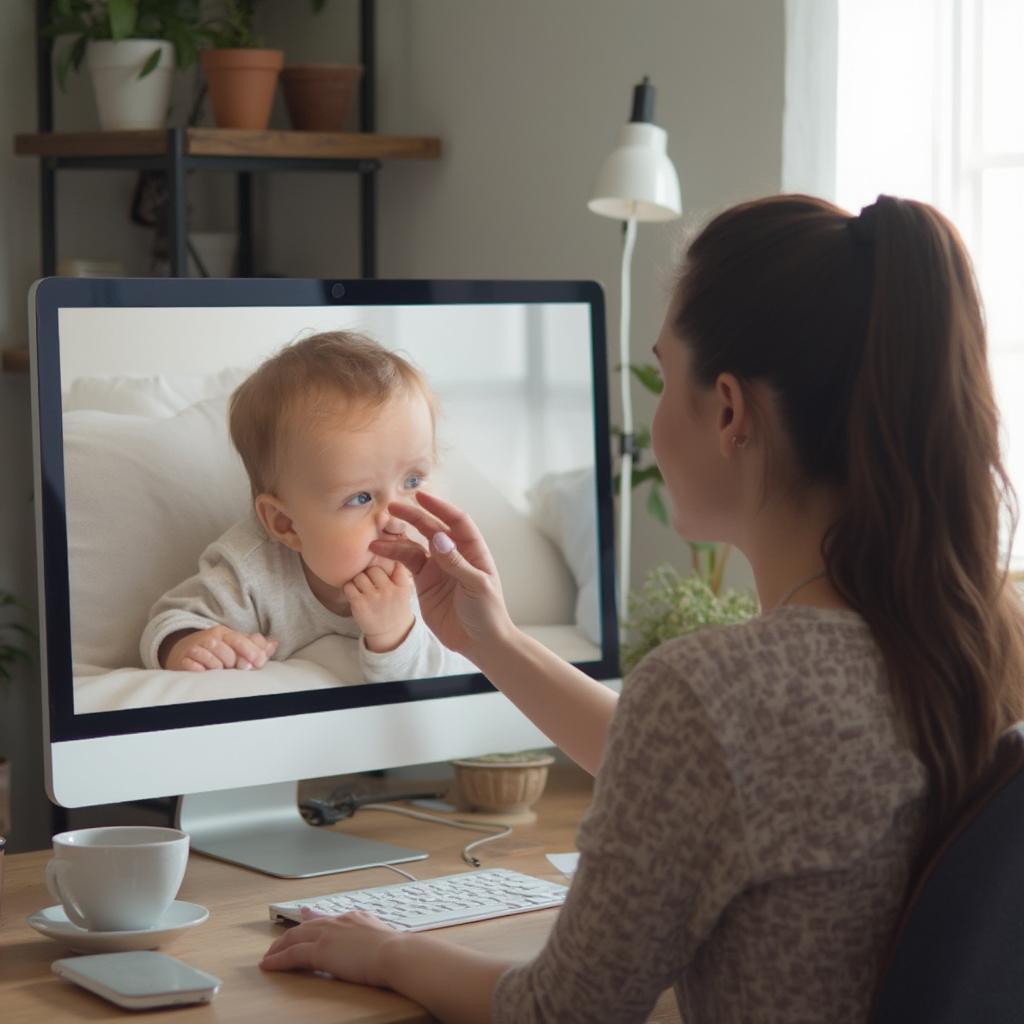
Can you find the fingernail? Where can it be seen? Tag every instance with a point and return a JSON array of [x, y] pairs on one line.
[[443, 543], [244, 665]]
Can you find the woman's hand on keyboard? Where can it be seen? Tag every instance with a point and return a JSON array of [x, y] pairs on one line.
[[456, 581], [347, 947]]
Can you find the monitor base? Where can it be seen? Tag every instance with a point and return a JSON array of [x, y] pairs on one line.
[[260, 827]]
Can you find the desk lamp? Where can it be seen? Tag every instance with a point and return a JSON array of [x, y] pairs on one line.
[[636, 183]]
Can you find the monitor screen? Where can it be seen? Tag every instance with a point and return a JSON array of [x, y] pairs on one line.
[[138, 477]]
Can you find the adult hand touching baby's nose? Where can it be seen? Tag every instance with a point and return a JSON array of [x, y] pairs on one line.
[[456, 580]]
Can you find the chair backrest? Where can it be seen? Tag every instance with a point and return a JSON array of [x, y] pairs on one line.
[[957, 954]]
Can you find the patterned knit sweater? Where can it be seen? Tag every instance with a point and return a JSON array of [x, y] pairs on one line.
[[753, 823]]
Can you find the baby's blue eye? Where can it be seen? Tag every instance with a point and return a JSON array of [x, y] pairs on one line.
[[413, 480], [358, 500]]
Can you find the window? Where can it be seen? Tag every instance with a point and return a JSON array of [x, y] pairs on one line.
[[928, 106]]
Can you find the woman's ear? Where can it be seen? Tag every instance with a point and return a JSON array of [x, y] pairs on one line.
[[734, 415], [275, 519]]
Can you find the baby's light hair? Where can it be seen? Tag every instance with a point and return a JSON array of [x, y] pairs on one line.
[[300, 377]]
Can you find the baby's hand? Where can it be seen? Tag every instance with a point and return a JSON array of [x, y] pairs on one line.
[[216, 647], [382, 605]]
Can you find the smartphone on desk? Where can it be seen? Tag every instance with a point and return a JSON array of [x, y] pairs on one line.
[[139, 980]]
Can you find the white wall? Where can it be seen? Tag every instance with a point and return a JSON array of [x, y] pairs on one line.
[[527, 96]]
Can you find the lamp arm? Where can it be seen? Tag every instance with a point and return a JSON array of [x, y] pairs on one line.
[[627, 447]]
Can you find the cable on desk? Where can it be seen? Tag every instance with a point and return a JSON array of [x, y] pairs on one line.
[[398, 871], [494, 831]]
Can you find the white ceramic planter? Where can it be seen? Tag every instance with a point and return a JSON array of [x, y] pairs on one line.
[[124, 101]]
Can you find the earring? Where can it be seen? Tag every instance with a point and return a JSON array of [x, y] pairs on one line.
[[740, 440]]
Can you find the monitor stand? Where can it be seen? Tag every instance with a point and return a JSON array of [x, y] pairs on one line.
[[260, 827]]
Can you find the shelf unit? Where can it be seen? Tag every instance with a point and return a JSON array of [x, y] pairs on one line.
[[176, 151]]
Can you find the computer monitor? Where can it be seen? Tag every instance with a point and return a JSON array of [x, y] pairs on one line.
[[135, 475]]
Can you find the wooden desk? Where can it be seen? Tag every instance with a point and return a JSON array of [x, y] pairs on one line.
[[239, 930]]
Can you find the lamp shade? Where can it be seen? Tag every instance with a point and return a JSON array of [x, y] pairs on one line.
[[638, 179]]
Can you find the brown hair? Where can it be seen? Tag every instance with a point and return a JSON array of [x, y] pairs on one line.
[[302, 375], [870, 333]]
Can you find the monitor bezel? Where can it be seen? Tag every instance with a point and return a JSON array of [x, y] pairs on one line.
[[50, 295]]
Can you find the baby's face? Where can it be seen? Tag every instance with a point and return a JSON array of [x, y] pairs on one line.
[[341, 471]]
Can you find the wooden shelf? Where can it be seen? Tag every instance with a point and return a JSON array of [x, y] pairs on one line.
[[15, 360], [227, 142]]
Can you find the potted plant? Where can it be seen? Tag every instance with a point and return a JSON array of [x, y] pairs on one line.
[[16, 641], [131, 48], [241, 75], [318, 97], [503, 784], [670, 605]]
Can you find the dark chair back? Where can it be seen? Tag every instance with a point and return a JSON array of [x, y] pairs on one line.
[[957, 955]]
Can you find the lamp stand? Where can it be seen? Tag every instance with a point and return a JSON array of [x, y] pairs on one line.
[[627, 439]]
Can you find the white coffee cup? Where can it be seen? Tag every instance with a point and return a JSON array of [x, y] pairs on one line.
[[119, 878]]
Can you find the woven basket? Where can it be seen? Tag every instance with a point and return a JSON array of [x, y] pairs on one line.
[[505, 786]]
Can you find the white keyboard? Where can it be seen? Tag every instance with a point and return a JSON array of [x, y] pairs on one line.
[[437, 902]]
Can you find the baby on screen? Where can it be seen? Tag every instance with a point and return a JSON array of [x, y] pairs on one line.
[[330, 430]]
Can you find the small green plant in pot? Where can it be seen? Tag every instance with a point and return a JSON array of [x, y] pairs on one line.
[[241, 74], [671, 604], [131, 48]]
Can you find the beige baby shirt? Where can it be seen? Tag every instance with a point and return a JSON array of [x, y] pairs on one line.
[[753, 822], [252, 584]]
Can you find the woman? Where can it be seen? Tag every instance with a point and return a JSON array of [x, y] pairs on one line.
[[765, 788]]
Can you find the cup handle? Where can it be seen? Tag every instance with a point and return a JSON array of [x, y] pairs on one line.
[[53, 873]]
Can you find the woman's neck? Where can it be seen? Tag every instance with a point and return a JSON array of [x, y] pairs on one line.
[[783, 545]]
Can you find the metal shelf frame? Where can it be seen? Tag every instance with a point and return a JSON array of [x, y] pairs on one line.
[[176, 162]]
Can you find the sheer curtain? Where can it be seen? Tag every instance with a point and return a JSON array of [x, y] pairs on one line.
[[921, 99]]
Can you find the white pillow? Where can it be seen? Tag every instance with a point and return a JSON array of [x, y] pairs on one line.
[[145, 495], [536, 582], [564, 505], [157, 395]]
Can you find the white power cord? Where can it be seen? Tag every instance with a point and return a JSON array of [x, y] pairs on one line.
[[494, 831]]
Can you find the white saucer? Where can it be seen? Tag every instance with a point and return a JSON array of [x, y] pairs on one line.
[[53, 923]]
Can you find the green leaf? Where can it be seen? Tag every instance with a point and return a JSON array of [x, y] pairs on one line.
[[649, 376], [64, 67], [703, 545], [646, 473], [122, 15], [670, 605], [151, 62], [656, 505]]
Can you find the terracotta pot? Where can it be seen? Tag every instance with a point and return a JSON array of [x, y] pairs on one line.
[[242, 84], [319, 96]]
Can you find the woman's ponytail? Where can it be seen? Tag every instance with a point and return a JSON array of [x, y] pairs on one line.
[[869, 331], [917, 547]]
